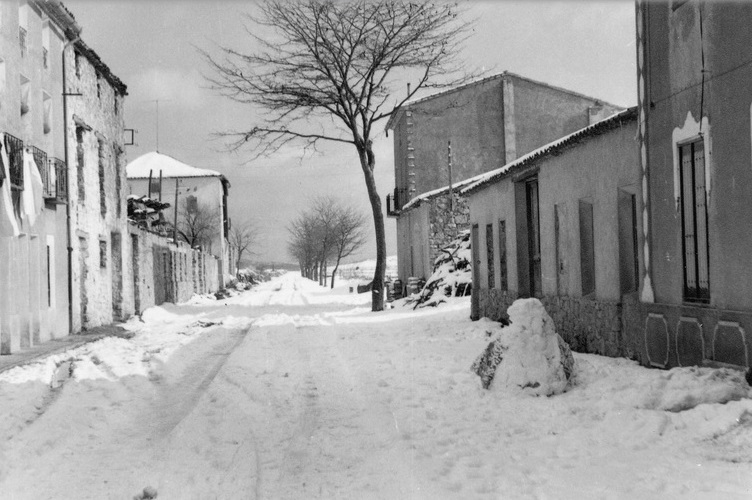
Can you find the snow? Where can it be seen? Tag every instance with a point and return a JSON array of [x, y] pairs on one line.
[[152, 163], [290, 390]]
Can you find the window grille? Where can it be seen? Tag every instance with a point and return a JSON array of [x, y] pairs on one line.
[[40, 158], [57, 187]]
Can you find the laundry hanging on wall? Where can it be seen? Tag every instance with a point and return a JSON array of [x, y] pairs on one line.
[[32, 198], [8, 222]]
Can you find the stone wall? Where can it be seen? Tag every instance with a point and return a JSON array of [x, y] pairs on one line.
[[445, 224], [101, 253], [587, 325], [164, 272]]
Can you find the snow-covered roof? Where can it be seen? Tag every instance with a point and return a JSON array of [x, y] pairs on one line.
[[473, 183], [552, 148], [152, 163]]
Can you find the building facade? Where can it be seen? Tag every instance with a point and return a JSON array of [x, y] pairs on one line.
[[33, 177], [561, 225], [444, 139], [695, 102], [200, 198], [101, 284]]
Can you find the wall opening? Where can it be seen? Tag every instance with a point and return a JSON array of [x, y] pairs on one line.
[[490, 256], [503, 279], [629, 268], [587, 248], [117, 276]]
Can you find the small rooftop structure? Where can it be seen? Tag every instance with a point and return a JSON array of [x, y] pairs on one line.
[[150, 164]]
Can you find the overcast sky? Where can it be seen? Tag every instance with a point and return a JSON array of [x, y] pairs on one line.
[[587, 47]]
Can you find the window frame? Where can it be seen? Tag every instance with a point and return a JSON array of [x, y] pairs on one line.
[[694, 294]]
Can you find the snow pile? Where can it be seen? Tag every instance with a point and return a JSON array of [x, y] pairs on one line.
[[157, 335], [680, 389], [452, 274], [527, 354]]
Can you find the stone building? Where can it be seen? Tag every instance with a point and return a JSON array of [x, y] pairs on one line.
[[561, 224], [488, 123], [201, 200], [695, 103], [34, 273], [101, 282]]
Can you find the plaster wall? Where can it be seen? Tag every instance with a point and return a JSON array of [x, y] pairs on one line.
[[724, 105], [33, 265]]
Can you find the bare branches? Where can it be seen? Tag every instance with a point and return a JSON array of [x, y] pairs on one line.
[[326, 230], [338, 59], [197, 223], [243, 238]]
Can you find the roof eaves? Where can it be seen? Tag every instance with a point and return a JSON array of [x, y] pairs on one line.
[[552, 148]]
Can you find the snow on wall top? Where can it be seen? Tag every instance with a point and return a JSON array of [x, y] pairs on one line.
[[154, 162]]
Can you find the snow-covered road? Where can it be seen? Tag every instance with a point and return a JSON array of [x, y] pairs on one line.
[[294, 391]]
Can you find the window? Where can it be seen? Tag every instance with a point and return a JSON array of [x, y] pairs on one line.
[[80, 164], [25, 91], [191, 204], [628, 251], [99, 86], [587, 248], [77, 59], [694, 213], [503, 255], [46, 45], [102, 180], [102, 254], [490, 255], [47, 110], [155, 188], [22, 40]]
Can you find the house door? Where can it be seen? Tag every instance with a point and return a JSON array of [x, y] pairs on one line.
[[533, 236]]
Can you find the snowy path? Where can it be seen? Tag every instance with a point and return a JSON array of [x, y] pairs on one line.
[[300, 392]]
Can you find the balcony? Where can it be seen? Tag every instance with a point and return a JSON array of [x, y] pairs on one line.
[[395, 201], [56, 181], [14, 148]]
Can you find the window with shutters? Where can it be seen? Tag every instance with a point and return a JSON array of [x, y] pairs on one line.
[[694, 215], [587, 248], [503, 255], [490, 255]]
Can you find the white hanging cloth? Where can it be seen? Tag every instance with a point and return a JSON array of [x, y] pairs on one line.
[[8, 222], [32, 199]]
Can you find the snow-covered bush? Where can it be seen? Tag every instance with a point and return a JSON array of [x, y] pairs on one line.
[[527, 354], [452, 274]]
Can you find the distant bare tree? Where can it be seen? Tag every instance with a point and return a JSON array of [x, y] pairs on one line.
[[198, 224], [349, 235], [340, 61], [326, 230], [243, 237]]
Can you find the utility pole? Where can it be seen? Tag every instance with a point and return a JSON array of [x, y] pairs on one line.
[[156, 102], [451, 191]]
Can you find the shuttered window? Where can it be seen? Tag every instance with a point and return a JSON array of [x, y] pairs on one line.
[[587, 248], [503, 255], [490, 255], [694, 215]]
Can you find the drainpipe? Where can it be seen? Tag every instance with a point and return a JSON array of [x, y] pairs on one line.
[[67, 180]]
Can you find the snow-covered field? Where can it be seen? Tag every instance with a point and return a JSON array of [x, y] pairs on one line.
[[294, 391]]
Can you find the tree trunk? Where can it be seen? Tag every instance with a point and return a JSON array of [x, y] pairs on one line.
[[367, 163], [336, 266]]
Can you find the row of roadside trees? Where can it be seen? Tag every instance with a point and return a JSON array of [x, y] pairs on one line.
[[325, 232]]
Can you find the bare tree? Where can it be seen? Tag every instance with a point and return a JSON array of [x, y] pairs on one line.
[[339, 60], [243, 237], [198, 224], [349, 236]]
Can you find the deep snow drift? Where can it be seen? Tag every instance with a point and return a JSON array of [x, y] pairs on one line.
[[294, 391]]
